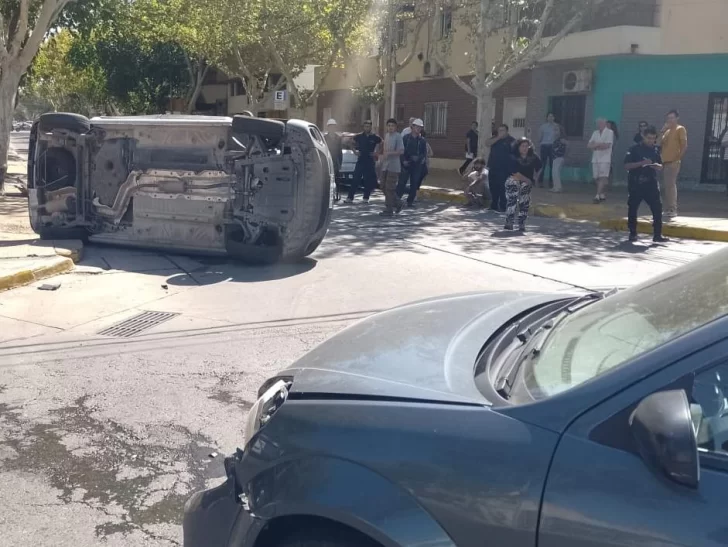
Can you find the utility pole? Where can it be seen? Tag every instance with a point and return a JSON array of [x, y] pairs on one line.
[[392, 56]]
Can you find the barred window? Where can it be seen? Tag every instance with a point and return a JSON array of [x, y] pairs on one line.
[[436, 119]]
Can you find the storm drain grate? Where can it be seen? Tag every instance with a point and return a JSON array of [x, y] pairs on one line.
[[134, 325]]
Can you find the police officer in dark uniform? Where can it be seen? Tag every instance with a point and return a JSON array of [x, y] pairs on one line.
[[643, 162], [366, 145]]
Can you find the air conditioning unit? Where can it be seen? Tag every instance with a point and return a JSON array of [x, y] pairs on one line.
[[577, 81], [432, 69]]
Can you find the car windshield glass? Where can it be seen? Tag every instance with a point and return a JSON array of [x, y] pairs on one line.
[[610, 332]]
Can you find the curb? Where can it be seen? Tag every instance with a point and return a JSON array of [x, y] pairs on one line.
[[74, 250], [25, 277], [442, 194], [586, 212], [668, 229]]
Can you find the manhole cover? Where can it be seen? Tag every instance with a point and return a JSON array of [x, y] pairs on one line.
[[138, 323]]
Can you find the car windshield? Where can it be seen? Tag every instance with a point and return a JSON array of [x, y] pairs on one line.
[[610, 332]]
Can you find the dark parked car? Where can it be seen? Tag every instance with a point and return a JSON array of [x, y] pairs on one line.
[[504, 419], [255, 189]]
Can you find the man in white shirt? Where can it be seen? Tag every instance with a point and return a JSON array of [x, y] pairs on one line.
[[601, 143]]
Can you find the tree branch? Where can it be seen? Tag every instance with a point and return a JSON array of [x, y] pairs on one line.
[[418, 30], [21, 28], [536, 51], [467, 88], [280, 63], [49, 12]]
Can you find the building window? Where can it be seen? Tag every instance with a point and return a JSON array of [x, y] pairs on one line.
[[401, 35], [570, 111], [436, 119], [399, 115], [445, 22], [237, 88]]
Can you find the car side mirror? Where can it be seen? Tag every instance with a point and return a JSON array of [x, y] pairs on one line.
[[663, 429]]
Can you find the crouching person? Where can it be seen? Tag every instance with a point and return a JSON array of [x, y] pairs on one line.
[[476, 193]]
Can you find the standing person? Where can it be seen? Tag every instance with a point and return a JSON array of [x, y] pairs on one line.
[[525, 167], [391, 167], [499, 163], [674, 142], [477, 190], [643, 163], [413, 164], [601, 143], [471, 147], [640, 132], [366, 145], [613, 126], [559, 152], [333, 141], [407, 130], [547, 136]]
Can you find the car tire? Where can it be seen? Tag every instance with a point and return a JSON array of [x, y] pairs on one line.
[[75, 123], [326, 537], [267, 129], [308, 230]]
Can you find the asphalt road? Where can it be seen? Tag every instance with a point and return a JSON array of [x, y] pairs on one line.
[[103, 438]]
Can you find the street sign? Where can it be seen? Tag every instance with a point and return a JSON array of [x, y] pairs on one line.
[[280, 100]]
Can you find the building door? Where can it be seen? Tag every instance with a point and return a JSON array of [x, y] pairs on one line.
[[514, 114], [715, 153]]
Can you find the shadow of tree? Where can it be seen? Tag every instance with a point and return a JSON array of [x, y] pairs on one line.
[[358, 230]]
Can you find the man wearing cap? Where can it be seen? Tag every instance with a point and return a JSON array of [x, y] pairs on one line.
[[366, 145], [333, 140], [407, 130], [413, 164]]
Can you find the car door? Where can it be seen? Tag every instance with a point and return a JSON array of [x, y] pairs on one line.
[[601, 492]]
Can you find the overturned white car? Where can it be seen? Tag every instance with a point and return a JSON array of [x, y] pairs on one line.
[[255, 189]]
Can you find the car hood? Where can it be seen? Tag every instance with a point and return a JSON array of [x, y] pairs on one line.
[[424, 351]]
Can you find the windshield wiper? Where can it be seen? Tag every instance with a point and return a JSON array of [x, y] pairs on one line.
[[532, 342]]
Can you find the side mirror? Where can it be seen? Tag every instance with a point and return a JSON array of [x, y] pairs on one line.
[[663, 428]]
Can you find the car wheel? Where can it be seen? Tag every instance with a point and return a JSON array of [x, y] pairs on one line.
[[324, 537], [75, 123]]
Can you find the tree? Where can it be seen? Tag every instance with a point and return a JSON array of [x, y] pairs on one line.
[[53, 83], [24, 24], [279, 37], [524, 27], [199, 27]]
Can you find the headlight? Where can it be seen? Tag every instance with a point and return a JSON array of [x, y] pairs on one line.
[[264, 408]]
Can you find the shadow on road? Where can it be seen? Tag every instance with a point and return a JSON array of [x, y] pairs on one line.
[[358, 230]]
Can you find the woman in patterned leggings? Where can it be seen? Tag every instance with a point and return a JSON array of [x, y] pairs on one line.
[[525, 166]]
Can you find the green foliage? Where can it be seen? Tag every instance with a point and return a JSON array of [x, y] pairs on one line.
[[368, 95]]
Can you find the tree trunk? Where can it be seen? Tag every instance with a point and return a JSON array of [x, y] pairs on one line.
[[8, 90], [485, 105], [201, 73]]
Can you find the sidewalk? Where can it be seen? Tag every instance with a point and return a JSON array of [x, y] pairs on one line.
[[24, 258], [703, 215]]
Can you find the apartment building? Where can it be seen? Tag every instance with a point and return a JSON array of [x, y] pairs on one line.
[[223, 95], [636, 65], [423, 90]]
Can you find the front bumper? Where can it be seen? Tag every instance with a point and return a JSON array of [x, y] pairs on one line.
[[214, 518]]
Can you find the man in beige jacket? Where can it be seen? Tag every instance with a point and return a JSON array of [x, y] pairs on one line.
[[674, 142]]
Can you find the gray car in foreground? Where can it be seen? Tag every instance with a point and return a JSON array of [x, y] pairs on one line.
[[255, 189], [500, 419]]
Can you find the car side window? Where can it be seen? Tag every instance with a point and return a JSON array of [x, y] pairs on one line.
[[709, 410]]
